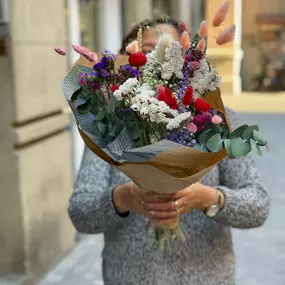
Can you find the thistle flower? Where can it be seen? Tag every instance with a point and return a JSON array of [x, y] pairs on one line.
[[185, 40], [203, 29], [221, 14], [226, 36]]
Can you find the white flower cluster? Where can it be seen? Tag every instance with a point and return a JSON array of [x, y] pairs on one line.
[[173, 61], [176, 122], [127, 89], [149, 107], [205, 80]]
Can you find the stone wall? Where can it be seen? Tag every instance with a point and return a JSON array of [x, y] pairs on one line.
[[35, 142]]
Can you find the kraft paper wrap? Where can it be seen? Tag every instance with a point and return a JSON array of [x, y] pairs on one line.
[[170, 171]]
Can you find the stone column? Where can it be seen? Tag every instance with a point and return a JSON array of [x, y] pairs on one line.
[[227, 57], [35, 143], [135, 12]]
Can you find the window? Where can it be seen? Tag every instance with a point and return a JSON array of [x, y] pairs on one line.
[[3, 11]]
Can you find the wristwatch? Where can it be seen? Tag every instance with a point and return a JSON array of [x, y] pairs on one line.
[[213, 210]]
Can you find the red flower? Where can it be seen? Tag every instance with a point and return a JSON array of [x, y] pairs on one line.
[[202, 105], [188, 97], [114, 88], [137, 59], [165, 95]]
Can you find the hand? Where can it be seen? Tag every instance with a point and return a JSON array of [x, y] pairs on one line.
[[195, 197], [129, 197]]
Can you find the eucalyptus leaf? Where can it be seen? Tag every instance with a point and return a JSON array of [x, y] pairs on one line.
[[258, 150], [217, 129], [253, 145], [238, 132], [239, 147], [227, 144], [102, 128], [200, 147], [84, 108], [213, 144], [204, 136], [96, 132], [258, 138], [75, 95], [101, 115], [248, 133]]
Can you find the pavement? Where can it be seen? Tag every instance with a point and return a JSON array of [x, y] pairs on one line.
[[260, 252]]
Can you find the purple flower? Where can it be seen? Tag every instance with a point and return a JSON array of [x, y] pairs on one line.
[[182, 137], [201, 119], [82, 79], [107, 62], [126, 72]]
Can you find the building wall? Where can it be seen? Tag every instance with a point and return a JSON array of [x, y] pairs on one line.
[[35, 143]]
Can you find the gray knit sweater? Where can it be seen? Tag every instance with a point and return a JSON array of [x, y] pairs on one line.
[[131, 255]]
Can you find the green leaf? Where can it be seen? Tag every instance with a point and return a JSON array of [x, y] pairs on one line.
[[258, 150], [133, 130], [248, 133], [75, 95], [200, 147], [258, 138], [96, 132], [239, 147], [228, 144], [225, 131], [217, 129], [238, 132], [84, 108], [204, 136], [101, 115], [112, 130], [214, 143], [102, 128]]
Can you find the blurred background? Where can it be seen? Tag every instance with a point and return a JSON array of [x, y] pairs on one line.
[[40, 149]]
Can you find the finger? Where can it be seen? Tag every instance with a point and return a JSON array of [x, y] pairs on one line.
[[162, 215], [166, 221], [161, 206]]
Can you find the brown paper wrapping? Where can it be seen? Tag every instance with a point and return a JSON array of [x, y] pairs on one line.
[[170, 171]]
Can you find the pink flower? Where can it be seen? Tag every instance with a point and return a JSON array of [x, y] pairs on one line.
[[133, 47], [226, 36], [216, 120], [203, 29], [201, 45], [81, 50], [221, 14], [182, 27], [60, 51], [195, 65], [192, 128], [91, 56], [185, 40]]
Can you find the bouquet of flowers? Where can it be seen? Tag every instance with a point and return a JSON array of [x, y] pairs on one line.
[[159, 118]]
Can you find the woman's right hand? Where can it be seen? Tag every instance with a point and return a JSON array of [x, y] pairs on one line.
[[129, 197]]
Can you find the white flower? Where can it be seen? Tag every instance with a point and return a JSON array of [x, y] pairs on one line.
[[205, 79], [163, 42], [128, 88], [176, 122], [150, 108], [173, 61]]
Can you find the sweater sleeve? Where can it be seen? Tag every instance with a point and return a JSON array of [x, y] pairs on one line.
[[91, 208], [246, 200]]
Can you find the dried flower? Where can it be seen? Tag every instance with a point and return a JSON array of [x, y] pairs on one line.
[[201, 105], [114, 87], [188, 97], [60, 51], [126, 71], [182, 27], [221, 14], [185, 41], [176, 122], [163, 43], [195, 65], [138, 59], [166, 96], [216, 120], [192, 128], [203, 29], [201, 119], [226, 36], [133, 47], [201, 45]]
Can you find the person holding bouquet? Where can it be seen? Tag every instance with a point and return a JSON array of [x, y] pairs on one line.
[[231, 195]]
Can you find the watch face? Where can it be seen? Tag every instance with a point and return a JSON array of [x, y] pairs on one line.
[[212, 211]]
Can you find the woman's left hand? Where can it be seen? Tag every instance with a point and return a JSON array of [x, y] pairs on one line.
[[195, 197]]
